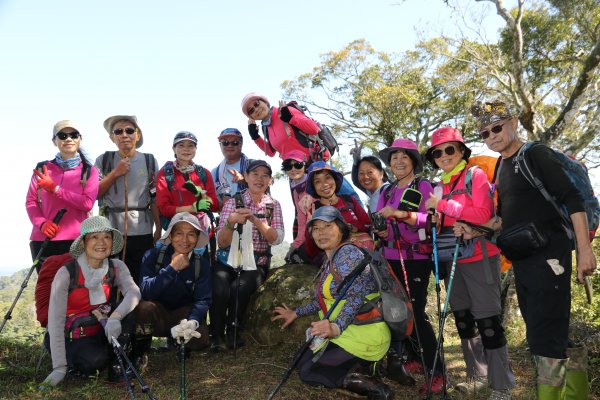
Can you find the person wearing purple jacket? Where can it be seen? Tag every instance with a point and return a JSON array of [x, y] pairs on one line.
[[405, 162], [68, 181]]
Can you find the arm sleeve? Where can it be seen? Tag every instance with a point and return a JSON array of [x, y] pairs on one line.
[[202, 293], [426, 189], [33, 211], [308, 309], [277, 223], [302, 218], [211, 192], [264, 146], [130, 291], [57, 315], [481, 208], [81, 201], [302, 122]]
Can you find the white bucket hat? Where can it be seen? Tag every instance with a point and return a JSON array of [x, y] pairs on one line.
[[190, 219], [93, 225]]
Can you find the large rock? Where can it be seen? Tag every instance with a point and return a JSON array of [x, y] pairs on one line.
[[289, 284]]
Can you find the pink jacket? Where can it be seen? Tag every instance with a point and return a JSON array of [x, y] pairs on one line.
[[70, 195], [476, 208], [279, 138]]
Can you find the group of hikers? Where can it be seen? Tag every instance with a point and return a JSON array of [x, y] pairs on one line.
[[193, 282]]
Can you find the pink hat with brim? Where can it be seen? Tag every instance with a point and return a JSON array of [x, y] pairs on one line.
[[445, 135], [407, 146], [250, 97]]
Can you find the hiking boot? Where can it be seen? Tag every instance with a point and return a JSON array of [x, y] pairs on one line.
[[396, 372], [413, 367], [472, 385], [437, 386], [367, 386], [140, 363], [217, 344], [500, 395]]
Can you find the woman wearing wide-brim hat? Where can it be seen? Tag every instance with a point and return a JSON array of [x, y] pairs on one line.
[[86, 285]]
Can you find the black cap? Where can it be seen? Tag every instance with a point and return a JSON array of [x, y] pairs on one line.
[[258, 163]]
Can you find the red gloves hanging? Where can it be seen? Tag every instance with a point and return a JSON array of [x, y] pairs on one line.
[[45, 181]]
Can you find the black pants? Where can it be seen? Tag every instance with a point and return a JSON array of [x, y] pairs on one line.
[[545, 297], [330, 369], [53, 248], [224, 285], [418, 273], [136, 247]]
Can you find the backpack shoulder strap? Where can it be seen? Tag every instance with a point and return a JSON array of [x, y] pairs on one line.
[[201, 174], [197, 269], [73, 268], [265, 130], [169, 174], [160, 259], [107, 165]]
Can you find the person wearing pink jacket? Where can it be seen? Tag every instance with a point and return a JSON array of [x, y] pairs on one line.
[[278, 125], [68, 181]]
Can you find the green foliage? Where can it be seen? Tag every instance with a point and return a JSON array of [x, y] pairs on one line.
[[22, 325]]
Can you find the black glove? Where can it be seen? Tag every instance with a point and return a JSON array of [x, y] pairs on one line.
[[191, 187], [253, 131], [284, 114]]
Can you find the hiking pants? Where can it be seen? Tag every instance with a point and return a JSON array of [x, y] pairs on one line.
[[136, 247]]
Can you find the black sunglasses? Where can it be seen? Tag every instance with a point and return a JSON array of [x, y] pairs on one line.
[[448, 150], [287, 166], [253, 107], [228, 143], [65, 135], [496, 129], [120, 131]]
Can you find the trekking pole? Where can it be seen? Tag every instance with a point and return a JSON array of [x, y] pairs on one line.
[[345, 285], [121, 355], [440, 344], [126, 216], [398, 246], [128, 384], [36, 261], [240, 228], [182, 374]]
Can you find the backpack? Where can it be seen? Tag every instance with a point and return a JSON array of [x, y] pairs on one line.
[[317, 144], [391, 305], [50, 267], [578, 175], [86, 171]]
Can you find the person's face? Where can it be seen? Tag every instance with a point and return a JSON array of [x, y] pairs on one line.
[[97, 246], [231, 147], [291, 169], [401, 164], [185, 151], [369, 176], [500, 135], [128, 136], [447, 161], [66, 143], [258, 180], [258, 110], [183, 237], [327, 235], [324, 184]]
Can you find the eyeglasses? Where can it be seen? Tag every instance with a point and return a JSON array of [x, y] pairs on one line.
[[226, 143], [287, 166], [496, 129], [65, 135], [448, 150], [120, 131], [253, 107]]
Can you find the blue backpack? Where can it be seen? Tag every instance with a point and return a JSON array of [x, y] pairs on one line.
[[577, 173]]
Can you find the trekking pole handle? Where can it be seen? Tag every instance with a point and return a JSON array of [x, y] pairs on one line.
[[59, 215]]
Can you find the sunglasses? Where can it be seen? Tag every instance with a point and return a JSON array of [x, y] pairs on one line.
[[287, 166], [120, 131], [496, 129], [253, 107], [65, 135], [226, 143], [448, 150]]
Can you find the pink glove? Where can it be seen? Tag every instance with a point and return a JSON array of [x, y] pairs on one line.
[[45, 181], [50, 229]]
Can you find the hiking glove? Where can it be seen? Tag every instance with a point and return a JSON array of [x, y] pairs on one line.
[[113, 328], [194, 189], [45, 181], [56, 376], [253, 131], [50, 229], [186, 330], [293, 257], [202, 205], [285, 115]]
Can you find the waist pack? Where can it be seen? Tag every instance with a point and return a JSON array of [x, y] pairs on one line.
[[81, 325], [521, 240], [446, 244]]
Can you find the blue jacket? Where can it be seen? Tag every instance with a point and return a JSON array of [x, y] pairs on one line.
[[177, 289]]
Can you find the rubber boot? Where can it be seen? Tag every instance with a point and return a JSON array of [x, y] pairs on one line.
[[367, 386], [395, 369], [551, 374], [576, 385]]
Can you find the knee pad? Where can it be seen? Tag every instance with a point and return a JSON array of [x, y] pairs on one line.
[[491, 332], [465, 324]]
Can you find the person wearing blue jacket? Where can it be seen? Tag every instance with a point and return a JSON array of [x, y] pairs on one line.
[[176, 287]]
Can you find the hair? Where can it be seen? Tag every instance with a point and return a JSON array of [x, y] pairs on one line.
[[376, 162], [84, 159]]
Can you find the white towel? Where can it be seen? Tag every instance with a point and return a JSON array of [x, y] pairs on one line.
[[247, 262]]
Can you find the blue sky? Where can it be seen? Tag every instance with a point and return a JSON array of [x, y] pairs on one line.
[[180, 65]]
